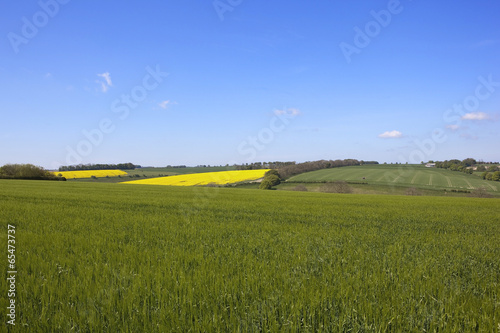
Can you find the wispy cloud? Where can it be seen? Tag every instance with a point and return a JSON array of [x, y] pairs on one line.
[[289, 111], [165, 104], [391, 135], [106, 83], [468, 136], [476, 116], [452, 127]]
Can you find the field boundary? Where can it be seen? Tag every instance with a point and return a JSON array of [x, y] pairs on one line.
[[400, 176]]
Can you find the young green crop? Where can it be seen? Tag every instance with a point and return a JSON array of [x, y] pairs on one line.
[[108, 257], [400, 175]]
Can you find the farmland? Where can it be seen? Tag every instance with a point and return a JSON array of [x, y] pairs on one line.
[[400, 175], [90, 173], [108, 257], [218, 178]]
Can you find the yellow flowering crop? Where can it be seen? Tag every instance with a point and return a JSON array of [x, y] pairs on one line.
[[219, 178], [90, 173]]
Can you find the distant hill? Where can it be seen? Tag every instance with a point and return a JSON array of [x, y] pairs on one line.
[[399, 175]]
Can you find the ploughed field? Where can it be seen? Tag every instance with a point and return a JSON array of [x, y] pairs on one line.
[[400, 175], [109, 257]]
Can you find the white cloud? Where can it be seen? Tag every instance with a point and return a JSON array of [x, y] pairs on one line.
[[106, 83], [164, 104], [289, 111], [106, 77], [475, 116], [452, 127], [391, 134]]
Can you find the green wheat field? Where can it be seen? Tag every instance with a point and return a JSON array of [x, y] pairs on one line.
[[400, 175], [97, 257]]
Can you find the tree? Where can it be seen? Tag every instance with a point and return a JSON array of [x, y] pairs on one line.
[[469, 162], [265, 185], [271, 178], [481, 168], [492, 168], [496, 176], [27, 171]]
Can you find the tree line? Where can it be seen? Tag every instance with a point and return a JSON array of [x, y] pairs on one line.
[[457, 165], [27, 171], [295, 169], [288, 169], [120, 166], [491, 172], [275, 176], [262, 165], [495, 175]]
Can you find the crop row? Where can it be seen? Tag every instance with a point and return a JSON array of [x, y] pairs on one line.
[[106, 257]]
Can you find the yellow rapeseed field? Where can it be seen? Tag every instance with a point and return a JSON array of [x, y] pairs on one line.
[[90, 173], [219, 178]]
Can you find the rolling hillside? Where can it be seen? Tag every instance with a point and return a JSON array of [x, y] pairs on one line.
[[399, 175]]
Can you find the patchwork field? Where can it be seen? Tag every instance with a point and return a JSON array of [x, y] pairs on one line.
[[218, 178], [106, 257], [90, 173], [400, 175]]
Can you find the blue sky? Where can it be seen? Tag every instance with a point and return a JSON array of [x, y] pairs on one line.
[[217, 82]]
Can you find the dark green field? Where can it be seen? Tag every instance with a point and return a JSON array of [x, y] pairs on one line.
[[107, 257]]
